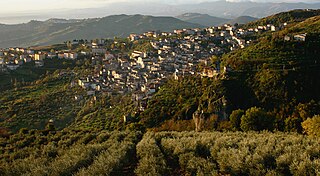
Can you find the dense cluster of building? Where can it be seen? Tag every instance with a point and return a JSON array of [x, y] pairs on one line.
[[173, 54], [13, 58]]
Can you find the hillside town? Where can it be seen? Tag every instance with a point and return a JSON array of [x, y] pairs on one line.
[[173, 54]]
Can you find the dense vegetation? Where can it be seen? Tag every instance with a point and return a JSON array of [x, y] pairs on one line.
[[33, 105], [68, 153], [76, 152], [232, 153], [179, 99], [29, 73]]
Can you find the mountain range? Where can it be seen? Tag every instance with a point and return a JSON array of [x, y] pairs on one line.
[[93, 23], [222, 9], [208, 20], [227, 9], [55, 30], [203, 19], [59, 30]]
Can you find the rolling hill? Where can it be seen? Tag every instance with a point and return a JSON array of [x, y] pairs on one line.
[[208, 20], [203, 19], [292, 16], [242, 20], [59, 30], [281, 71], [227, 9], [220, 8]]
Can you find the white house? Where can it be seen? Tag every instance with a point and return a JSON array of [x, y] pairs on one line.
[[12, 66], [300, 37], [98, 51], [39, 63], [39, 56], [73, 55]]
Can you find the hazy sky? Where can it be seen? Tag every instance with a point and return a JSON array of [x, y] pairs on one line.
[[10, 7]]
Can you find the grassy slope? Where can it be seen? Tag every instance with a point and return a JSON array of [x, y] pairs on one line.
[[272, 48], [32, 106], [29, 73], [270, 73], [285, 17]]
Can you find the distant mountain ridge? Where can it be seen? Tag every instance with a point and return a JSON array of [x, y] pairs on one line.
[[227, 9], [59, 30], [203, 19], [242, 20], [208, 20], [61, 20], [221, 9]]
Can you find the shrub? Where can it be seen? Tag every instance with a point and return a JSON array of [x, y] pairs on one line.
[[194, 165], [240, 153], [225, 126], [109, 160], [152, 161], [256, 119], [293, 124], [312, 126], [235, 118]]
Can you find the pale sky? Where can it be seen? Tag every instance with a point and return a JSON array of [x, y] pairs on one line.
[[15, 6], [39, 5]]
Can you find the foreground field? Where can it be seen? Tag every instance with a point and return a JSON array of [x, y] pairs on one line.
[[214, 153], [164, 153]]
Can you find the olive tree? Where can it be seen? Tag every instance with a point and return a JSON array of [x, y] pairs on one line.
[[256, 119], [235, 118], [312, 126]]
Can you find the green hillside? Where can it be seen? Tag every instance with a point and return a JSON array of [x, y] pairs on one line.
[[277, 75], [273, 49], [285, 17], [28, 73], [57, 31], [32, 106]]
